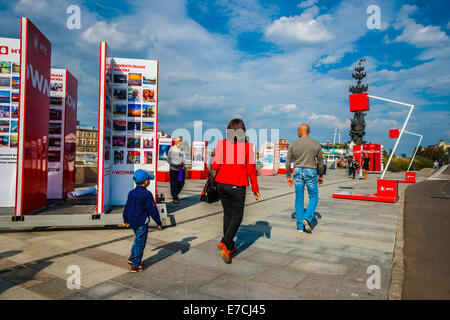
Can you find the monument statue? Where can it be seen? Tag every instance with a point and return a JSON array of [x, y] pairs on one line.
[[358, 124]]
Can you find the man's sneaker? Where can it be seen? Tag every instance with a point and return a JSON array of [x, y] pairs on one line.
[[224, 252], [138, 269], [307, 226]]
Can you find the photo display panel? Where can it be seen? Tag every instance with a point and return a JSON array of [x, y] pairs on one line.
[[62, 134], [199, 152], [268, 162], [32, 153], [133, 125], [55, 133], [164, 145], [9, 114]]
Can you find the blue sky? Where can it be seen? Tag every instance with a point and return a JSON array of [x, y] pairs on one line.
[[274, 63]]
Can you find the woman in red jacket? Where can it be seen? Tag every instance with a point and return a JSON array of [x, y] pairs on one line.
[[234, 163]]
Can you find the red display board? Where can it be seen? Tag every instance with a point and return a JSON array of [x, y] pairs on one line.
[[70, 134], [387, 191], [375, 152], [359, 102], [31, 189]]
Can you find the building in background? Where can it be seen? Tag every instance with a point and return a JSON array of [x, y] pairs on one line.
[[87, 142]]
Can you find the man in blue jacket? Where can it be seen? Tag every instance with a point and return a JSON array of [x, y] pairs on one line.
[[136, 214]]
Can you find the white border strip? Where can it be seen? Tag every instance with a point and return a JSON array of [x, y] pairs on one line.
[[101, 129], [21, 142]]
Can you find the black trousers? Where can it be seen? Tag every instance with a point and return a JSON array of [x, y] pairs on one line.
[[175, 185], [233, 202]]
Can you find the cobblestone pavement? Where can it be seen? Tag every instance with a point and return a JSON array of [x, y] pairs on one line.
[[273, 260]]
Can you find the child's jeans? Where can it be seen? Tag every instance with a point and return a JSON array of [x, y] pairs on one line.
[[138, 246]]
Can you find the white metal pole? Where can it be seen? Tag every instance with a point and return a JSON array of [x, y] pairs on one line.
[[334, 137], [361, 162], [420, 140], [401, 131]]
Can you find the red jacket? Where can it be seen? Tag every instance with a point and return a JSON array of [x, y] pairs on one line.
[[235, 164]]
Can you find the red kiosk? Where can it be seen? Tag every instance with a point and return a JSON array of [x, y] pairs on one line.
[[387, 190]]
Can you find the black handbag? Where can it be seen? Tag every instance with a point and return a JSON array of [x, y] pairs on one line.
[[209, 193]]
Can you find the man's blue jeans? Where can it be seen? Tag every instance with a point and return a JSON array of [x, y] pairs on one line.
[[308, 177], [137, 250]]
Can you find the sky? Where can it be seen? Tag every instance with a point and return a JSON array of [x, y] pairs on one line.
[[273, 63]]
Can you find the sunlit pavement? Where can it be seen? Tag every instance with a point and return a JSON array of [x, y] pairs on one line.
[[273, 260]]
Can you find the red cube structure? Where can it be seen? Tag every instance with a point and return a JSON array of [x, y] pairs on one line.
[[394, 133], [359, 102]]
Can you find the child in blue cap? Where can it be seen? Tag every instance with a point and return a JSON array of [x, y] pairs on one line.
[[136, 214]]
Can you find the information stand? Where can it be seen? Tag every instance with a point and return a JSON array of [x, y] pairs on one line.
[[375, 152], [62, 134], [128, 118], [271, 162], [163, 172], [9, 114], [198, 161]]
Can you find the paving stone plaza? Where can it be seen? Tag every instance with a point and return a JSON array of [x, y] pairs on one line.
[[273, 259]]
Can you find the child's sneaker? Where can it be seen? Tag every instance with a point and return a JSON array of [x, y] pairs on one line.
[[130, 260]]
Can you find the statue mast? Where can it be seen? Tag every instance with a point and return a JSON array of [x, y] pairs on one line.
[[358, 124]]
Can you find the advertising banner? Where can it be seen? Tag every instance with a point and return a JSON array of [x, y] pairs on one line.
[[164, 145], [62, 134], [31, 188], [9, 113], [134, 124], [198, 156]]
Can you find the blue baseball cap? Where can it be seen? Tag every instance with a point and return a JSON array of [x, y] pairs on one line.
[[140, 176]]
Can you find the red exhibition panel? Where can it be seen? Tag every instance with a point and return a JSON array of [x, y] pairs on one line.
[[31, 190], [387, 188], [359, 102], [70, 134], [394, 133]]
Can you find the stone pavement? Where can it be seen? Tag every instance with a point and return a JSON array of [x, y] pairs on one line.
[[273, 260]]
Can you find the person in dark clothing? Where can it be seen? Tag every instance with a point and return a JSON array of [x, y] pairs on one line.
[[234, 163], [354, 165], [139, 208], [175, 158], [366, 165]]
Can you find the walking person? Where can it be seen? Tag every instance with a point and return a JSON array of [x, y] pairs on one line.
[[139, 208], [175, 158], [349, 165], [234, 163], [308, 170], [366, 165], [325, 165], [354, 165]]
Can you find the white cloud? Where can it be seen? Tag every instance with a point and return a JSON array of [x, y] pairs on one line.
[[309, 27], [418, 34], [307, 3], [280, 109], [118, 37]]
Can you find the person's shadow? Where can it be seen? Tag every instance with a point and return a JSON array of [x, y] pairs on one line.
[[168, 249], [314, 221], [248, 234]]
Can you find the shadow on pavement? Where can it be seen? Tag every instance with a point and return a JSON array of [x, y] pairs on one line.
[[248, 234], [184, 203], [168, 249], [21, 275]]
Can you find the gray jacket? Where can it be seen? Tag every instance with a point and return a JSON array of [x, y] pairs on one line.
[[307, 153], [175, 157]]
